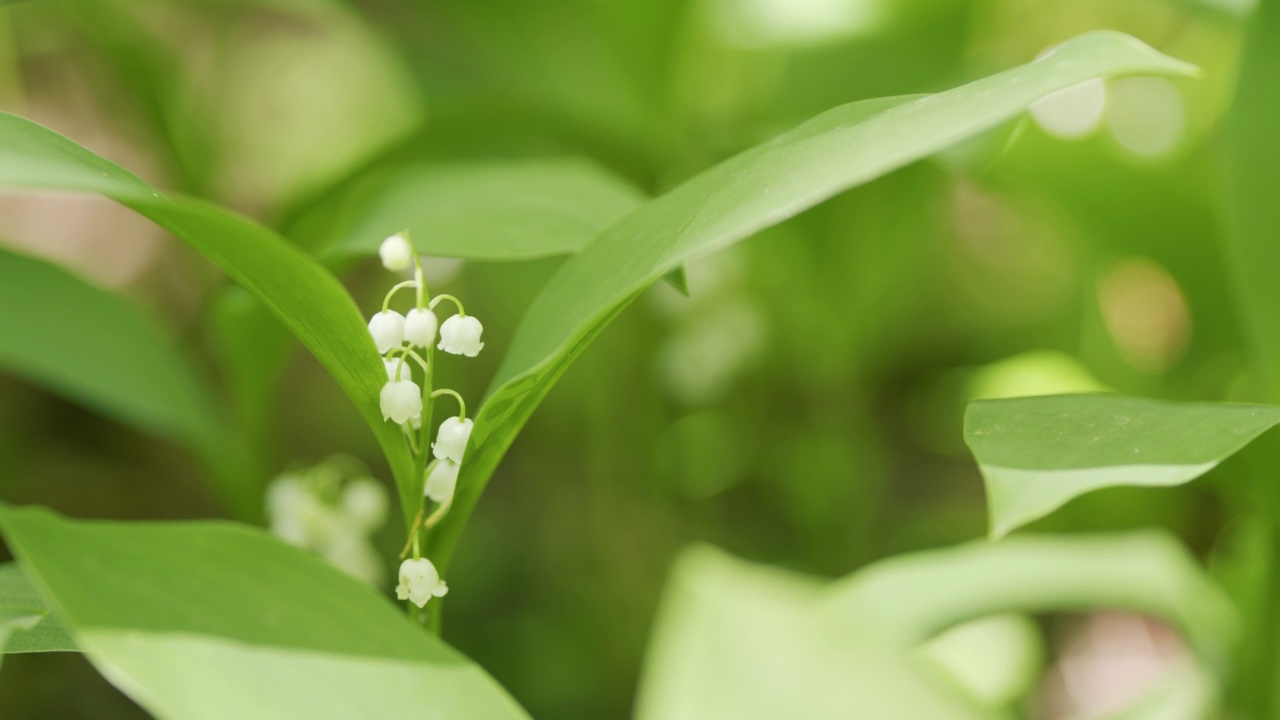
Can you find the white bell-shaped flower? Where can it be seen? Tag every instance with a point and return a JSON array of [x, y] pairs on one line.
[[395, 364], [460, 335], [396, 253], [387, 329], [420, 327], [400, 401], [451, 439], [441, 481], [419, 582], [365, 502]]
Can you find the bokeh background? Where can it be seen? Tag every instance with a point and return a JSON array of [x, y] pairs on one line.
[[802, 407]]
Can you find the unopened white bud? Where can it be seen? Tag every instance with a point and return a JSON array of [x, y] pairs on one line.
[[387, 329], [420, 327], [400, 365], [396, 253], [451, 439], [400, 401], [441, 481], [460, 335], [419, 582]]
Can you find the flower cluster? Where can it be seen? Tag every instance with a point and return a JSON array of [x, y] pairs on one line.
[[407, 343], [331, 509]]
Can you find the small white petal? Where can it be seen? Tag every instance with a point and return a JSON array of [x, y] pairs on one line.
[[419, 582], [441, 481], [400, 401], [396, 253], [401, 364], [451, 439], [460, 335], [420, 327], [387, 329]]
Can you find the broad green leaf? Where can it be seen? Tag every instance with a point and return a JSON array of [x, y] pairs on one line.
[[743, 641], [998, 659], [36, 630], [1252, 174], [488, 211], [1037, 453], [302, 294], [835, 151], [96, 348], [217, 620]]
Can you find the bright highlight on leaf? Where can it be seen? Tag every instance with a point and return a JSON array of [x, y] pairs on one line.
[[178, 614], [744, 641], [1037, 453]]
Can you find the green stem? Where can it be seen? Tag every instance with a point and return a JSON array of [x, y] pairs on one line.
[[386, 301], [436, 301], [462, 404]]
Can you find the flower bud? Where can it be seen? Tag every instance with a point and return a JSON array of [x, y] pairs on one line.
[[451, 439], [395, 364], [441, 481], [387, 329], [460, 335], [396, 253], [400, 401], [420, 327], [419, 582]]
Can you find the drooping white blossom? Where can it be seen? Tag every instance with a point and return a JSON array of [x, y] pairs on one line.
[[387, 329], [394, 364], [451, 439], [460, 335], [400, 401], [441, 481], [396, 253], [420, 327], [419, 582], [365, 502]]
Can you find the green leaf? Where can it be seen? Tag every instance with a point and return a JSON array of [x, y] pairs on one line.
[[96, 348], [295, 288], [489, 211], [737, 640], [842, 148], [1037, 453], [218, 620], [36, 630], [1252, 174]]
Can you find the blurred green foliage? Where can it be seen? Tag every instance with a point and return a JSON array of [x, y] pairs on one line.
[[803, 407]]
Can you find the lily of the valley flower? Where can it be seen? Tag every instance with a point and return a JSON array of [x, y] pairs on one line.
[[387, 329], [420, 327], [441, 481], [395, 365], [419, 582], [451, 439], [396, 253], [400, 401], [460, 335]]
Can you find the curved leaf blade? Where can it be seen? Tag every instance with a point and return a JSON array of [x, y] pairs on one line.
[[733, 639], [298, 290], [517, 210], [833, 152], [176, 614], [36, 629], [1037, 453], [97, 348]]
